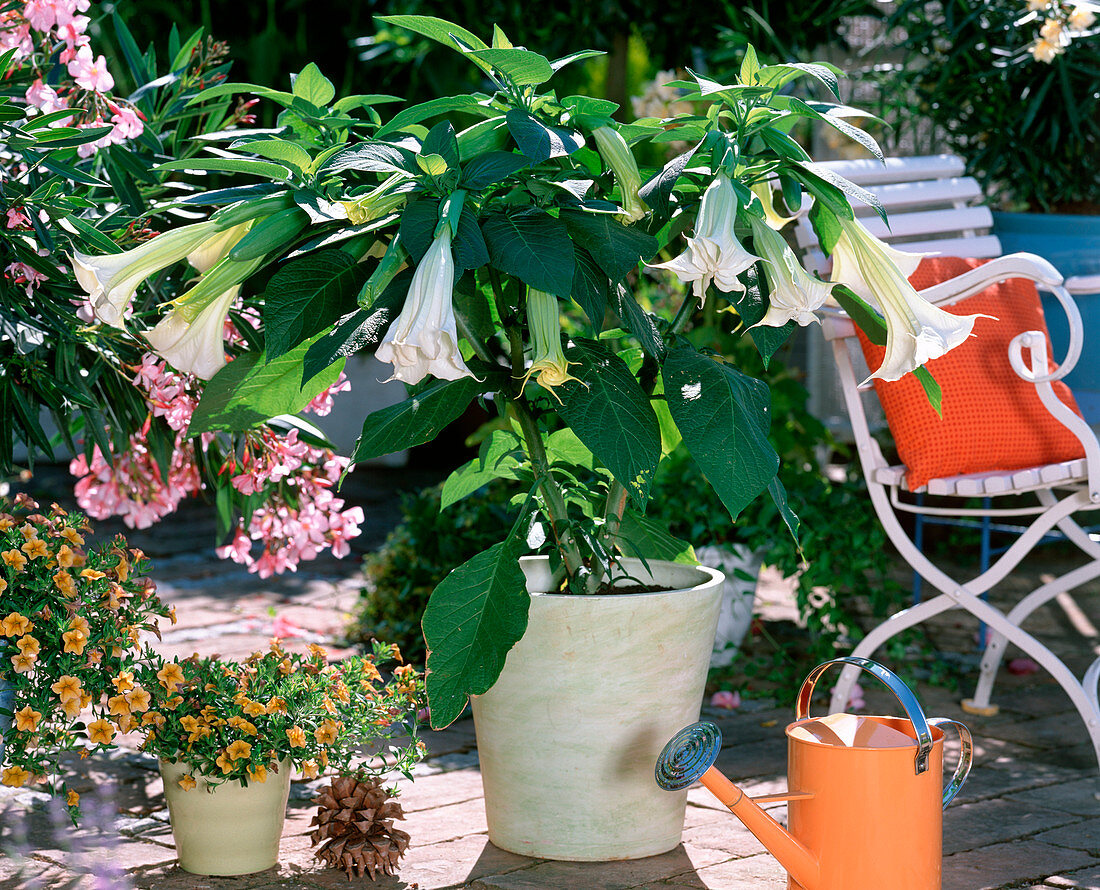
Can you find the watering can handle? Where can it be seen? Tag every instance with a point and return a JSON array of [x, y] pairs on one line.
[[892, 682], [966, 757]]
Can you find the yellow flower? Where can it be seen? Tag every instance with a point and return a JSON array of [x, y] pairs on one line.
[[309, 769], [6, 521], [64, 582], [225, 763], [27, 719], [126, 722], [276, 706], [100, 732], [239, 749], [170, 676], [80, 623], [65, 556], [23, 663], [3, 585], [243, 725], [258, 774], [75, 641], [35, 549], [15, 559], [28, 645], [72, 799], [16, 625], [15, 776], [117, 704], [548, 359], [326, 732], [139, 700], [187, 782], [72, 536], [124, 682], [92, 574], [28, 531], [1081, 18], [296, 736], [174, 702], [67, 688], [286, 667], [253, 708], [72, 707]]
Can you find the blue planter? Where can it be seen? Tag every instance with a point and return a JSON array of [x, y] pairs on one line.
[[1072, 244]]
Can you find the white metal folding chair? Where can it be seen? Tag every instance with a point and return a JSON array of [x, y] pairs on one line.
[[934, 209]]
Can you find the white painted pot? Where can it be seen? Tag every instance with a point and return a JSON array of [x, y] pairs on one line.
[[569, 735], [226, 829], [741, 566]]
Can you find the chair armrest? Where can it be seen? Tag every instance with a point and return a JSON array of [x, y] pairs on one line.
[[1037, 373], [1083, 284]]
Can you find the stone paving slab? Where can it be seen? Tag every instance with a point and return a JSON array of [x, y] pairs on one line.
[[1029, 816]]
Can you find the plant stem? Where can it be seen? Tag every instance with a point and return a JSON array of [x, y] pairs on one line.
[[617, 494]]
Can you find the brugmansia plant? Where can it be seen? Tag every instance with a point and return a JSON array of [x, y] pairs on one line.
[[453, 237]]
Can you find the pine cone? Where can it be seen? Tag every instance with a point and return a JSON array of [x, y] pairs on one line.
[[355, 828]]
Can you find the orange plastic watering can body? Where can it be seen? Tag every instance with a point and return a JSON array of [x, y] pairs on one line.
[[872, 822]]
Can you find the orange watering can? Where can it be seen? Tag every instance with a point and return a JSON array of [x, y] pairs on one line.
[[865, 804]]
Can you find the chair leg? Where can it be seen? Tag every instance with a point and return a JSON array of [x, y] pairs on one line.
[[995, 648]]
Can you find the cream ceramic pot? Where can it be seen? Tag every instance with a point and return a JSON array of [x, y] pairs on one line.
[[567, 737], [229, 829]]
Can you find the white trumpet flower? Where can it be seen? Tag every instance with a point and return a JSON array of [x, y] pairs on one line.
[[795, 294], [214, 250], [916, 331], [714, 254], [763, 191], [617, 155], [423, 339], [192, 337], [548, 358], [112, 279]]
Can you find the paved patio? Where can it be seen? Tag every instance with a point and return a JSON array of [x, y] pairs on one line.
[[1028, 818]]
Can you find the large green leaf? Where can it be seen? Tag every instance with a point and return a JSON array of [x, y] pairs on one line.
[[647, 537], [723, 416], [496, 459], [431, 108], [250, 391], [589, 288], [533, 246], [435, 28], [249, 166], [522, 66], [611, 415], [416, 420], [307, 295], [486, 169], [539, 141], [615, 247], [657, 190], [637, 320], [311, 85], [475, 615]]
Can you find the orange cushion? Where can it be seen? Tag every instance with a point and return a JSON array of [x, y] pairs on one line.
[[992, 420]]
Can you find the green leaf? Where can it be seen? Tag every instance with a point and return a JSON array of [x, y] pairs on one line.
[[431, 108], [230, 165], [558, 64], [826, 226], [779, 497], [831, 187], [418, 222], [250, 391], [723, 416], [436, 29], [637, 321], [310, 84], [357, 331], [496, 460], [281, 150], [441, 141], [647, 537], [589, 288], [307, 295], [657, 190], [416, 420], [615, 247], [534, 247], [475, 615], [539, 141], [487, 169], [778, 76], [521, 66], [433, 165], [564, 447], [610, 413], [931, 388], [374, 157], [862, 313]]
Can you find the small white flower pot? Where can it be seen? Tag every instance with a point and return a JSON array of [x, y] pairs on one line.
[[226, 829]]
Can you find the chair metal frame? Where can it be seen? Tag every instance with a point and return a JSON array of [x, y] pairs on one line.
[[952, 226]]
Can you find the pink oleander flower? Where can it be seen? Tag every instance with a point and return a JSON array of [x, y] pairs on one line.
[[321, 404], [21, 273], [17, 219], [127, 121], [89, 72], [44, 97], [726, 699]]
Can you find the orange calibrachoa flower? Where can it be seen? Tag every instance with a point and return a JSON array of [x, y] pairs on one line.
[[72, 536], [23, 664], [15, 776], [170, 676], [3, 587], [138, 699], [14, 559], [26, 719], [67, 688], [326, 732], [310, 770], [35, 548], [243, 725], [78, 622], [75, 641], [225, 762], [6, 521], [92, 574], [64, 582], [117, 704], [16, 625], [296, 736], [28, 531], [258, 773], [28, 645], [187, 782], [65, 556], [100, 732], [239, 749], [253, 708], [72, 799], [124, 682]]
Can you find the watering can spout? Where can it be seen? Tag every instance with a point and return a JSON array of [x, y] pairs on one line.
[[689, 757]]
